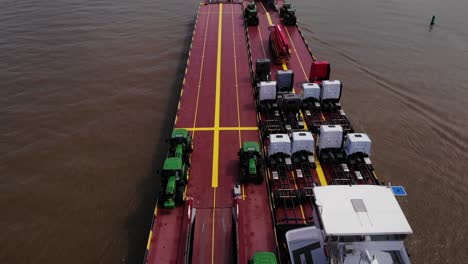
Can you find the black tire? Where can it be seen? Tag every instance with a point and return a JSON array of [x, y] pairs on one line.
[[271, 50], [294, 21], [259, 179], [179, 196], [260, 173], [242, 174]]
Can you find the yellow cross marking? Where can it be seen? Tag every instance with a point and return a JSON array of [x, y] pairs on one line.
[[221, 128]]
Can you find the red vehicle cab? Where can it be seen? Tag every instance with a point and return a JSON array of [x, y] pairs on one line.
[[279, 45], [319, 71]]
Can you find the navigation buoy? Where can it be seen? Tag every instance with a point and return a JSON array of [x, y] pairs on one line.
[[432, 20]]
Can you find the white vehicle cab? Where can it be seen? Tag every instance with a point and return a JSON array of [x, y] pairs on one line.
[[357, 143], [331, 91], [302, 141], [331, 137], [267, 91], [302, 148], [279, 144], [310, 91]]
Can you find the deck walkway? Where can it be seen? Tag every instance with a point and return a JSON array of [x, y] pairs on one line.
[[217, 106]]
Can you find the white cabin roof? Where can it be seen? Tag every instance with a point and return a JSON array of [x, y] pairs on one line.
[[360, 210], [277, 138], [330, 128], [302, 136], [358, 137]]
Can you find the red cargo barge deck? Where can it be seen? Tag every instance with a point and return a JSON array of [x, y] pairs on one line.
[[217, 106]]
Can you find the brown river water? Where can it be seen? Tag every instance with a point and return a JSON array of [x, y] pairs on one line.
[[88, 92]]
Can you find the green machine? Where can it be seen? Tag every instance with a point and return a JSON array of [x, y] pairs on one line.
[[250, 163], [250, 14], [174, 179], [263, 258], [288, 15], [181, 145]]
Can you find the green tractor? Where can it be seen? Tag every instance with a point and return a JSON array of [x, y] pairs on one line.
[[181, 145], [263, 258], [174, 179], [250, 14], [288, 15], [250, 163]]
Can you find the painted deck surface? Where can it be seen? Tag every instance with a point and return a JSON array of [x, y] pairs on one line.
[[218, 108]]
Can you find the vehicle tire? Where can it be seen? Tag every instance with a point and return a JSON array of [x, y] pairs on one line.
[[179, 197], [241, 175], [261, 173]]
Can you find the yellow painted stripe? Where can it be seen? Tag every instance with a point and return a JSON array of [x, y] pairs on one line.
[[238, 128], [267, 14], [305, 123], [149, 240], [186, 185], [214, 168], [222, 128], [321, 175], [261, 41], [297, 55], [243, 192], [227, 12], [375, 175]]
